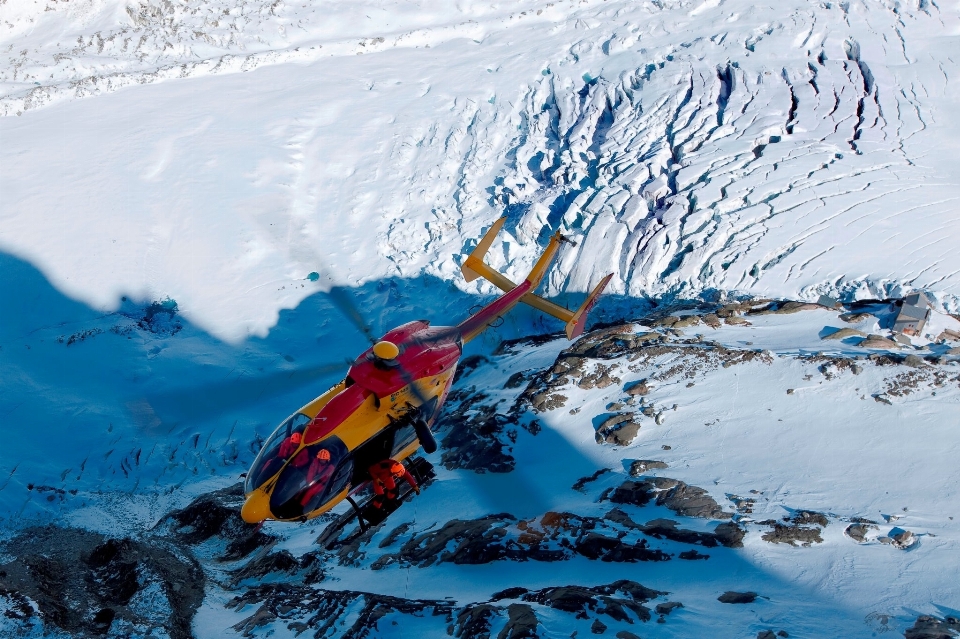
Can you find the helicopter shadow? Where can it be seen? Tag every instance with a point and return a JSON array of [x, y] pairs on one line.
[[137, 397]]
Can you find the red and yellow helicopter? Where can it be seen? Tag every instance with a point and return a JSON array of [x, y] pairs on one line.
[[386, 404]]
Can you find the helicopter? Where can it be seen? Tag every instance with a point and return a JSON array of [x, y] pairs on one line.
[[387, 402]]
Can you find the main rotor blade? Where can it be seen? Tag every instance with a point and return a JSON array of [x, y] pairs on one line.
[[344, 302], [185, 405]]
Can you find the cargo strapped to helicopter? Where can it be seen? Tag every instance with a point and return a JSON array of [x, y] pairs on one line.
[[474, 267]]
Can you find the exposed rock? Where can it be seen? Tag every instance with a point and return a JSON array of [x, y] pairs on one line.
[[637, 388], [691, 501], [784, 534], [552, 537], [730, 535], [685, 322], [641, 466], [301, 608], [809, 517], [618, 429], [712, 320], [583, 481], [476, 437], [626, 634], [668, 607], [80, 583], [736, 321], [878, 341], [692, 555], [858, 532], [474, 621], [623, 435], [271, 563], [613, 600], [844, 333], [726, 534], [783, 308], [598, 627], [913, 361], [903, 539], [928, 627], [515, 381], [521, 623], [731, 597], [852, 318], [681, 498]]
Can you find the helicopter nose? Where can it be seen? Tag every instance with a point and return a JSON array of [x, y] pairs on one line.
[[256, 508]]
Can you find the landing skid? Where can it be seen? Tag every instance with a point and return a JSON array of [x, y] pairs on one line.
[[367, 516]]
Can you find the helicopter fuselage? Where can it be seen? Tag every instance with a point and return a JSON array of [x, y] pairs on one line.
[[365, 418]]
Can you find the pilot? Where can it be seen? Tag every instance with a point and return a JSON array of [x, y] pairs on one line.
[[385, 475], [317, 476], [290, 445]]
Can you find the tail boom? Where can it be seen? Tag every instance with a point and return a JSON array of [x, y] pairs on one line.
[[474, 267]]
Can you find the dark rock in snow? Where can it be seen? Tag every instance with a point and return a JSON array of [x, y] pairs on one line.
[[613, 600], [809, 517], [302, 608], [474, 621], [681, 498], [691, 501], [928, 627], [641, 466], [692, 555], [476, 435], [80, 582], [216, 516], [793, 535], [598, 627], [521, 623], [731, 597], [583, 481], [858, 532], [668, 607], [726, 534], [509, 593], [619, 430]]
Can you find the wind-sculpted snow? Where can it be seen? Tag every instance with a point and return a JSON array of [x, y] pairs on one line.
[[791, 158], [784, 149]]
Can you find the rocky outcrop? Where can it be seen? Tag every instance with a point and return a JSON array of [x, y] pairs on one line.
[[681, 498], [301, 608], [83, 583], [551, 537], [476, 434]]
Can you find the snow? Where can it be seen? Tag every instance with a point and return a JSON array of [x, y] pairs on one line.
[[174, 173]]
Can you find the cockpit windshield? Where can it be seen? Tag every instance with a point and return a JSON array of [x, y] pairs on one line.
[[279, 446], [311, 478]]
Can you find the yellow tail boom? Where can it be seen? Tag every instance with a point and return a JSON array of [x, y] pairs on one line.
[[474, 267]]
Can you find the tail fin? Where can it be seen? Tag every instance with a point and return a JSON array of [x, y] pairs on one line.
[[474, 267]]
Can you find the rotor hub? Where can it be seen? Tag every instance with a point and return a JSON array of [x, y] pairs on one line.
[[386, 350]]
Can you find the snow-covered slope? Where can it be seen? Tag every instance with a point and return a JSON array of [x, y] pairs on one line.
[[778, 148], [180, 183]]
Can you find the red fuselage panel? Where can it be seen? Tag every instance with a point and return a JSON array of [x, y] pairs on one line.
[[424, 352]]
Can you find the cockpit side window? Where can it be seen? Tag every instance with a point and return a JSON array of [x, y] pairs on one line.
[[303, 487], [281, 444]]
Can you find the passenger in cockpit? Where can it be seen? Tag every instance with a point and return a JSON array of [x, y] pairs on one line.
[[318, 475]]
